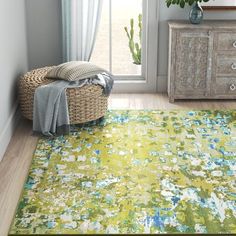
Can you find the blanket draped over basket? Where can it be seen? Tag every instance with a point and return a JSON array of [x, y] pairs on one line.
[[50, 110]]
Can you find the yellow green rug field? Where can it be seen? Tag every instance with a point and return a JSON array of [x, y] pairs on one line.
[[134, 172]]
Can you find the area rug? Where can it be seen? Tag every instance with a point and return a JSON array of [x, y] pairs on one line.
[[134, 172]]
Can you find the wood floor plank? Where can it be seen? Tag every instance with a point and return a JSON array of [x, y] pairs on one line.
[[17, 159], [13, 171]]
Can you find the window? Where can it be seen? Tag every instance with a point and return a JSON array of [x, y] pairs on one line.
[[112, 52], [112, 44]]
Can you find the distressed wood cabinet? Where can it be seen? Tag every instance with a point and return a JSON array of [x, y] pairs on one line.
[[202, 60]]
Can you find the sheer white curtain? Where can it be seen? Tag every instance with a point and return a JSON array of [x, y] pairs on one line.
[[80, 22]]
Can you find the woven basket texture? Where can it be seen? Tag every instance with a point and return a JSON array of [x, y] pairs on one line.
[[85, 104]]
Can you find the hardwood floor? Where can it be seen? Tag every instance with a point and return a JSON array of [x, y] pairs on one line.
[[17, 159]]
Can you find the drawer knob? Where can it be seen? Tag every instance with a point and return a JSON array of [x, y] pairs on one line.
[[232, 87], [234, 44], [233, 66]]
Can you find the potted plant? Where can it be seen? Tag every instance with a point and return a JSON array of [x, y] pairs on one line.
[[135, 47], [196, 13]]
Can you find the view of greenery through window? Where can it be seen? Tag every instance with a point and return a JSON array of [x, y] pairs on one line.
[[117, 56]]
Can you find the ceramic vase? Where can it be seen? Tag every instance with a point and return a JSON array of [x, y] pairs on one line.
[[196, 13]]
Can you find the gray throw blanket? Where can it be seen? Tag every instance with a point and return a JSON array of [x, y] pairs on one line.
[[51, 115]]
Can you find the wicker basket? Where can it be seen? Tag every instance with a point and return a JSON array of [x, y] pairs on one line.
[[85, 104]]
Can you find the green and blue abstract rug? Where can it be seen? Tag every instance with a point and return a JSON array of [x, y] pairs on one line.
[[134, 172]]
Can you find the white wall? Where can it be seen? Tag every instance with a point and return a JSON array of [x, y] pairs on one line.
[[45, 33], [13, 63]]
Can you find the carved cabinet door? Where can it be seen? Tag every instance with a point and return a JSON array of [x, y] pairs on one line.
[[192, 63]]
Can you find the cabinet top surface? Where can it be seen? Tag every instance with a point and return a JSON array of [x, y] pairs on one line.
[[206, 24]]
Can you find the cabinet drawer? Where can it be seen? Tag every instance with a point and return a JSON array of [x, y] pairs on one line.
[[226, 65], [226, 86], [226, 41]]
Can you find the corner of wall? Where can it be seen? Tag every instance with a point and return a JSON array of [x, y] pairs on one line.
[[27, 35], [16, 66], [7, 133]]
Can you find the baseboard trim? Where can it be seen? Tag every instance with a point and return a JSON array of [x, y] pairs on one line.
[[7, 133]]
